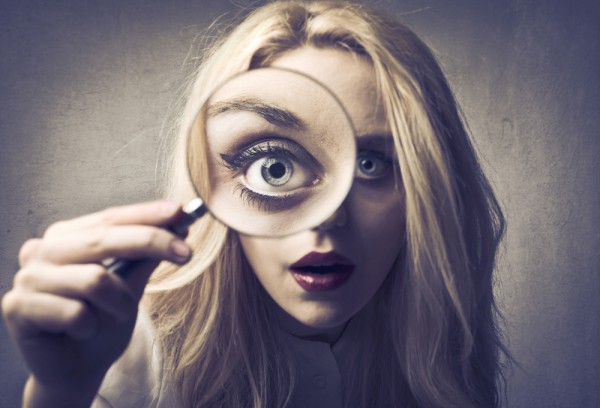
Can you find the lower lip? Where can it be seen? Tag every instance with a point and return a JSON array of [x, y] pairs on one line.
[[313, 282]]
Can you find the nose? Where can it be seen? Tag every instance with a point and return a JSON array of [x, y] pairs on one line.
[[336, 220]]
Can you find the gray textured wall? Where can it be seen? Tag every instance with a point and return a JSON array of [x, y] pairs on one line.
[[84, 87]]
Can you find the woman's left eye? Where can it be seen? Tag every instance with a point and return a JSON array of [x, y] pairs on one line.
[[372, 165], [277, 174]]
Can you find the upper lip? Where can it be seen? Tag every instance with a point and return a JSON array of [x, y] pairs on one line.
[[321, 259]]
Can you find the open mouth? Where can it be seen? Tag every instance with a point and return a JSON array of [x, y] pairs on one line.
[[319, 272], [323, 269]]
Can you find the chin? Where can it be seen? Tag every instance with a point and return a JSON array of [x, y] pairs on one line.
[[323, 319]]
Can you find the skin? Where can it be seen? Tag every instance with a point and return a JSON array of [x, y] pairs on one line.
[[368, 228]]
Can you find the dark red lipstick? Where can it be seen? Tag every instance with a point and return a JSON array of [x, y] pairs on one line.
[[321, 272]]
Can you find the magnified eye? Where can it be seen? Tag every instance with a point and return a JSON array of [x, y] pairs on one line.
[[271, 172], [277, 174], [372, 165]]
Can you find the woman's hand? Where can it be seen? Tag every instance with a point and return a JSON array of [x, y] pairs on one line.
[[69, 315]]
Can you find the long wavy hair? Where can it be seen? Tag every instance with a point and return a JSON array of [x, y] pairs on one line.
[[434, 325]]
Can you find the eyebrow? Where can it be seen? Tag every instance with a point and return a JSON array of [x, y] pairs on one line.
[[273, 114], [375, 141]]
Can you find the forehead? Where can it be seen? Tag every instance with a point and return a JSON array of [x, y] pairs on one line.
[[347, 75]]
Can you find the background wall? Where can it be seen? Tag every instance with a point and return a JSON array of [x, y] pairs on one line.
[[85, 87]]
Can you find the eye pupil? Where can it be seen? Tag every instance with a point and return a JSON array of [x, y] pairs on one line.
[[277, 170]]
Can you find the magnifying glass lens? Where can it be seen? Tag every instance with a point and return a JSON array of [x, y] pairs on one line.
[[272, 152]]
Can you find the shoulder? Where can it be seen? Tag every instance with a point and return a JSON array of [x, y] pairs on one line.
[[136, 378]]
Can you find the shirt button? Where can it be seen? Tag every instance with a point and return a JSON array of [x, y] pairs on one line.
[[320, 382]]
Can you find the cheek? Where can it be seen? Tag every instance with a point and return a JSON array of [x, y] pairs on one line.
[[380, 220], [267, 258], [378, 212]]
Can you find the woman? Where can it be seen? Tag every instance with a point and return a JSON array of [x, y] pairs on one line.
[[413, 326]]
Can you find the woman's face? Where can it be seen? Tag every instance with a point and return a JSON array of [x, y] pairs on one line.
[[321, 277]]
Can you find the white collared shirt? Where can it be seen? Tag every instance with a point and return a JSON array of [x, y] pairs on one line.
[[136, 380]]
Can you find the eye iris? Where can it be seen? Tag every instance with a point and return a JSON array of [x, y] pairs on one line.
[[368, 165], [277, 171]]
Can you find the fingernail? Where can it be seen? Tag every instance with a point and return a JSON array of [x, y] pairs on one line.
[[168, 208], [180, 249]]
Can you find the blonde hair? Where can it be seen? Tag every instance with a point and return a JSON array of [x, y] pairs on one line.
[[434, 339]]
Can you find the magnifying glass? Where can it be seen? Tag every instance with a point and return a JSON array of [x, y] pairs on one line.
[[271, 152]]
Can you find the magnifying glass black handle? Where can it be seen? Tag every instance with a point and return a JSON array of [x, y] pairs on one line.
[[191, 212]]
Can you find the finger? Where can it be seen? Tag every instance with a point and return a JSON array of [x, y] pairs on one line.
[[159, 213], [27, 250], [32, 313], [91, 283], [124, 242]]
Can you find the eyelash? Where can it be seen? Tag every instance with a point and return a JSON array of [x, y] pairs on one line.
[[260, 201], [241, 160]]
